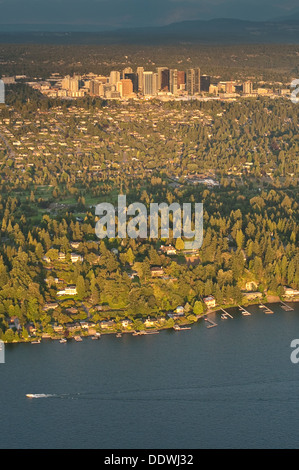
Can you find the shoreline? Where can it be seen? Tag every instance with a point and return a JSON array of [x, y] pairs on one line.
[[183, 325]]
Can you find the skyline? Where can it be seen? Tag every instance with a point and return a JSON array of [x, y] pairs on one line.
[[102, 15]]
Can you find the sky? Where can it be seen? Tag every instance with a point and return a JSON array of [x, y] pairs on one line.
[[110, 14]]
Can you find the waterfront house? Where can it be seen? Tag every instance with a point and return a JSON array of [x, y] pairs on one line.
[[58, 328], [210, 301], [106, 324], [251, 286], [252, 295], [179, 311], [289, 292], [149, 322], [126, 323]]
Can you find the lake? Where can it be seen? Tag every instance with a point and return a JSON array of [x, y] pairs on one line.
[[231, 386]]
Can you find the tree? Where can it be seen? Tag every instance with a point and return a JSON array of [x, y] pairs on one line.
[[179, 244], [198, 308], [80, 285]]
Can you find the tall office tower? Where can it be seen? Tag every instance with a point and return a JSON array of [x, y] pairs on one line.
[[127, 70], [94, 88], [165, 80], [140, 71], [205, 82], [114, 77], [248, 87], [148, 82], [155, 83], [173, 81], [197, 80], [181, 80], [125, 88], [160, 71], [65, 84], [229, 87], [2, 92], [134, 79], [193, 81]]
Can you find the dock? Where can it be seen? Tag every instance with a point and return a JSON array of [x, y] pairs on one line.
[[244, 311], [211, 323], [267, 310], [226, 314], [286, 307]]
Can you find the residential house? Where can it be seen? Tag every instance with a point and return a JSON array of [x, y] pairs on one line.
[[50, 305], [126, 323], [252, 295], [168, 250], [106, 324], [210, 301], [149, 322], [251, 286], [157, 271], [75, 257], [289, 292]]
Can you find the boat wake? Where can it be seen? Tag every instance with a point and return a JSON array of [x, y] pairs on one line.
[[39, 395]]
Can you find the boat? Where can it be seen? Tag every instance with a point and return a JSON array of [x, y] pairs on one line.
[[37, 395], [118, 335], [36, 341], [77, 338], [95, 337], [63, 340]]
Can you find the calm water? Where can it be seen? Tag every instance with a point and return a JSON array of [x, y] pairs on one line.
[[232, 386]]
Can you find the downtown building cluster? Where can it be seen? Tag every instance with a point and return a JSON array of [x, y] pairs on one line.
[[163, 82]]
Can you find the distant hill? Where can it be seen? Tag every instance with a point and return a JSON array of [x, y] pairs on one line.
[[217, 31]]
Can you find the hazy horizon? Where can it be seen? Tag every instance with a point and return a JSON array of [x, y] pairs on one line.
[[101, 15]]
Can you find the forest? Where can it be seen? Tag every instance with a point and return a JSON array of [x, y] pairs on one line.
[[59, 159]]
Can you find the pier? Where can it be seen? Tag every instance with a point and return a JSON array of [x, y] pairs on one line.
[[286, 307], [244, 312], [267, 310], [211, 323], [225, 314]]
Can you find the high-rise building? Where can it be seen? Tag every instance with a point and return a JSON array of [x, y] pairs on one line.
[[94, 87], [71, 83], [173, 81], [140, 71], [165, 75], [181, 80], [230, 87], [193, 83], [127, 70], [160, 71], [148, 83], [134, 79], [125, 87], [248, 87], [114, 77], [205, 82]]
